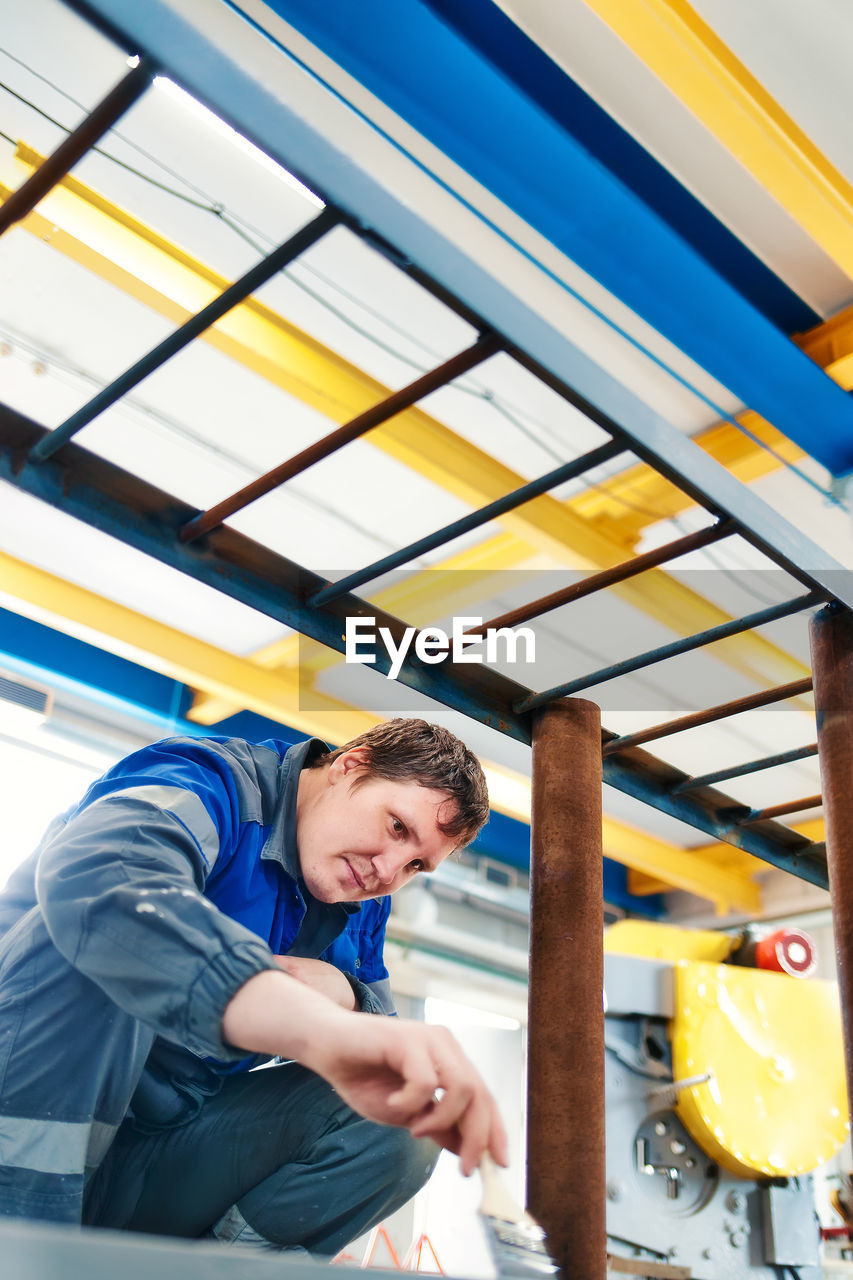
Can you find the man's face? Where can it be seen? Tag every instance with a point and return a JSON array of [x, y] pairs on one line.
[[363, 842]]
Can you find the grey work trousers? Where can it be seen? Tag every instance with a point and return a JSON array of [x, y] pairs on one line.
[[276, 1160]]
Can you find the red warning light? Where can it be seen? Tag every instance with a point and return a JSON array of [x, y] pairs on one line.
[[789, 951]]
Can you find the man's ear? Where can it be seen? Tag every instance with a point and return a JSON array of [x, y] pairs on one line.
[[345, 766]]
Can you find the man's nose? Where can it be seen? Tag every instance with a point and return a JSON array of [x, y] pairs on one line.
[[388, 864]]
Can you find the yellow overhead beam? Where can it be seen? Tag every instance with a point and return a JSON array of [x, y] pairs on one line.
[[724, 855], [702, 71], [729, 889], [639, 496], [174, 653], [266, 343], [830, 344], [91, 617]]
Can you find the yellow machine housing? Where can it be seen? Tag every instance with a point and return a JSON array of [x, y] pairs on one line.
[[775, 1104]]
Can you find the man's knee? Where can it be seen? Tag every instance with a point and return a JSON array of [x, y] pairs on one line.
[[360, 1173], [409, 1162]]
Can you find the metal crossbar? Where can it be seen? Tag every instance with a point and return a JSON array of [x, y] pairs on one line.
[[722, 711], [485, 346], [685, 645], [752, 766], [534, 489], [609, 577], [90, 130], [781, 810], [182, 337]]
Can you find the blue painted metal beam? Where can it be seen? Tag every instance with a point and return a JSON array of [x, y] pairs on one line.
[[507, 840], [488, 125], [45, 655], [485, 26]]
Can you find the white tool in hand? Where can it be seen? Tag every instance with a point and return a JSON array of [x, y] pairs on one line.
[[516, 1242]]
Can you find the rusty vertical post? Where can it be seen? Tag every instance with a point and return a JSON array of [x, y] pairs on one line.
[[565, 1089], [831, 635]]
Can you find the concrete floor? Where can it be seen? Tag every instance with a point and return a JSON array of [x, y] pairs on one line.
[[48, 1252]]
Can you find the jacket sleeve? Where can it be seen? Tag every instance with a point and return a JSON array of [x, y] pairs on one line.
[[120, 890], [372, 997]]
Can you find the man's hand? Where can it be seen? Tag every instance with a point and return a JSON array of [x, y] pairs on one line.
[[319, 976], [406, 1073], [390, 1070]]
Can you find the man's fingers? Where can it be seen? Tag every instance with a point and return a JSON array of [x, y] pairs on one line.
[[476, 1127], [420, 1081], [445, 1113], [466, 1117], [419, 1077], [498, 1140]]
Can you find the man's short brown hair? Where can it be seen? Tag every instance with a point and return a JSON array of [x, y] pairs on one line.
[[415, 751]]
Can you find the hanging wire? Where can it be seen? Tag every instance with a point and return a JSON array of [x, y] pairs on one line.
[[183, 432], [232, 221]]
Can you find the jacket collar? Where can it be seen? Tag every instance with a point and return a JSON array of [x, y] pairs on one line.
[[281, 842]]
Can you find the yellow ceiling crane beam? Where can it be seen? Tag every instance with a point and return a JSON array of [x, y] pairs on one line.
[[639, 496], [235, 680], [726, 856], [830, 345], [685, 53], [268, 344], [80, 612], [100, 621], [674, 868]]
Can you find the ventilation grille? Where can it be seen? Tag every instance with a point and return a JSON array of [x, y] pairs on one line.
[[30, 696]]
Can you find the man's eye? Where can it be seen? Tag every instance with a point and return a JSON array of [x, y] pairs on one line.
[[416, 865], [398, 826]]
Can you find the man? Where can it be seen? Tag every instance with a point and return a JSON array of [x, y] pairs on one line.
[[209, 905]]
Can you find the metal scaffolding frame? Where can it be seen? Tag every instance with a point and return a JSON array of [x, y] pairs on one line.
[[565, 883]]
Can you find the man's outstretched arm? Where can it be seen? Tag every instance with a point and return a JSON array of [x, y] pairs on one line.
[[387, 1069]]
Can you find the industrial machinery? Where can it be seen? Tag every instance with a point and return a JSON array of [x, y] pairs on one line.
[[725, 1089]]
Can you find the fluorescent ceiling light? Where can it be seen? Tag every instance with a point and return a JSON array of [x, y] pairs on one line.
[[213, 121]]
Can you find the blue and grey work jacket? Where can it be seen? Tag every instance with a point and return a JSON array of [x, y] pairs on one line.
[[176, 879]]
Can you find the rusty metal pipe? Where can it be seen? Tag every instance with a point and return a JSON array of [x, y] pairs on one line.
[[52, 170], [721, 712], [607, 577], [741, 770], [565, 1117], [831, 635], [485, 346], [779, 810]]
